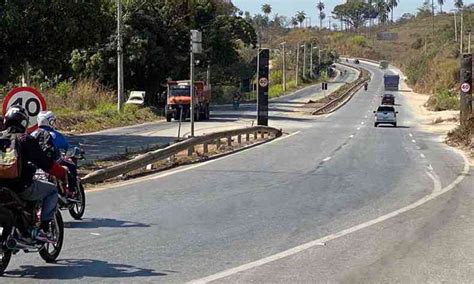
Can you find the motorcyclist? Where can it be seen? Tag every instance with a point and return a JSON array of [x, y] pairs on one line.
[[53, 143], [30, 156]]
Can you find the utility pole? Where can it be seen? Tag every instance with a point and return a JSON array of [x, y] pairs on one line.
[[461, 36], [311, 62], [208, 74], [304, 60], [119, 58], [319, 61], [469, 43], [455, 28], [466, 88], [284, 66], [297, 62], [433, 18]]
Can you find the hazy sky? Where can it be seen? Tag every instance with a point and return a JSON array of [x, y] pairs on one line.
[[290, 7]]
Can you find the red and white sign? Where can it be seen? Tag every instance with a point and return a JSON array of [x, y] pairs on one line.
[[263, 82], [30, 99], [465, 87]]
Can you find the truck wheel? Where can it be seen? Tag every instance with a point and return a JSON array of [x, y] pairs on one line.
[[168, 117], [395, 124], [376, 124], [208, 112]]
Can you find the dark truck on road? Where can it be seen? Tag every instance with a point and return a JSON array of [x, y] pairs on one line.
[[391, 81]]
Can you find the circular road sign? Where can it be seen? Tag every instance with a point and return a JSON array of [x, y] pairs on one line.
[[263, 82], [465, 87], [30, 99]]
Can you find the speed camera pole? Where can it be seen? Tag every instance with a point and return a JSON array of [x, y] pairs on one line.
[[196, 47], [466, 89]]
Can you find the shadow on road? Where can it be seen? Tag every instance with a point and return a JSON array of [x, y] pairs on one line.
[[67, 269], [91, 223]]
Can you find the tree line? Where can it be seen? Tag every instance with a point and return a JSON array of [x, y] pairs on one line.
[[56, 40]]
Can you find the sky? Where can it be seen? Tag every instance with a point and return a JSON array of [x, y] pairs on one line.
[[290, 7]]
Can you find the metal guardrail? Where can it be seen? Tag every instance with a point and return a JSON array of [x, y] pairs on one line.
[[333, 104], [143, 160]]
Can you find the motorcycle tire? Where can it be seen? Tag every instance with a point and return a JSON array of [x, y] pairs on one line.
[[5, 255], [57, 227], [77, 210]]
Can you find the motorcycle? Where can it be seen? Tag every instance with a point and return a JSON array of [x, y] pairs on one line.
[[74, 201], [20, 222]]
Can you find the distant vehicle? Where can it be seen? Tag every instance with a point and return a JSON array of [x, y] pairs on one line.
[[136, 98], [383, 64], [391, 81], [179, 100], [356, 61], [388, 99], [385, 115]]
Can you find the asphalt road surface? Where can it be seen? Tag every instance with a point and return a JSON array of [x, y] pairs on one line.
[[109, 143], [337, 200]]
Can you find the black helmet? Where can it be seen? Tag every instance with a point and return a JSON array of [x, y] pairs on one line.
[[16, 119]]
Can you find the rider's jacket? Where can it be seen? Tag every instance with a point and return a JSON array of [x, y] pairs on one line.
[[31, 155]]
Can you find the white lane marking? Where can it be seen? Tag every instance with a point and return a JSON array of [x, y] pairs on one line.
[[437, 187], [362, 123], [436, 193], [358, 128], [327, 159], [169, 173], [352, 136], [413, 140], [411, 135], [95, 234], [366, 116], [422, 155]]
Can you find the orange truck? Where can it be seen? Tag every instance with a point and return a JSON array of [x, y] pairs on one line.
[[178, 100]]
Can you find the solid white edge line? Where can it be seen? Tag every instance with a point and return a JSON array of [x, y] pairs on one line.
[[436, 193], [327, 159], [185, 168]]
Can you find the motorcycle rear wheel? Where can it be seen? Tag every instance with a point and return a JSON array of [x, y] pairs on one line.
[[57, 228], [5, 255], [77, 210]]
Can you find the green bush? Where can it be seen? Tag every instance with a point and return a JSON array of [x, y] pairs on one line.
[[276, 77], [444, 99], [275, 90], [359, 41]]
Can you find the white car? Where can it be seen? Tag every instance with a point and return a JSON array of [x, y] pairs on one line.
[[385, 114], [136, 98]]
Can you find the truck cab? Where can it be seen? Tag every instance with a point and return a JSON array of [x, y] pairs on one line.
[[178, 100]]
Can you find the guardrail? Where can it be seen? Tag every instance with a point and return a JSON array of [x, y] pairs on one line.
[[143, 160], [335, 103]]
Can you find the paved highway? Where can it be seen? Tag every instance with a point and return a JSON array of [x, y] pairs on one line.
[[133, 138], [337, 200]]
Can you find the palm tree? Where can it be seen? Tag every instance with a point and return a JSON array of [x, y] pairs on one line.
[[294, 22], [320, 7], [301, 16], [392, 4], [322, 16], [458, 4], [441, 3], [266, 9], [382, 8]]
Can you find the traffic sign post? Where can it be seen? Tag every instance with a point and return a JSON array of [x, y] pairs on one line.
[[466, 89], [30, 99], [263, 71]]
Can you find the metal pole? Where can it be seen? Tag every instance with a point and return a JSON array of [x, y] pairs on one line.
[[208, 75], [469, 43], [297, 62], [433, 18], [119, 58], [311, 62], [455, 28], [284, 67], [466, 84], [319, 60], [191, 88], [304, 60]]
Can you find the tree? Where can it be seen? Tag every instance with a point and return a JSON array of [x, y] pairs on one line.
[[322, 16], [382, 9], [301, 16], [294, 22], [392, 4], [458, 4], [266, 9], [354, 13], [320, 7]]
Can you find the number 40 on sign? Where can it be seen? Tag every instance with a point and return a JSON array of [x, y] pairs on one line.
[[30, 99]]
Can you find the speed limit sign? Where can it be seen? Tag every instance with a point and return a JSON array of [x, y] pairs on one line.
[[30, 99]]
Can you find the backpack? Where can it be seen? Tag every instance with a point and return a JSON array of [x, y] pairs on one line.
[[45, 140], [10, 161]]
